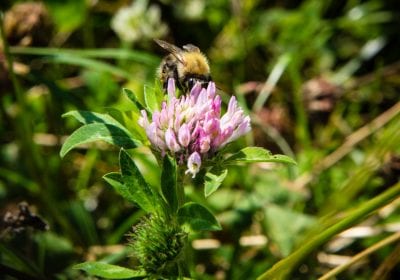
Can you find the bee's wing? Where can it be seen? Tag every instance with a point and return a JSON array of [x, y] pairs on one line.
[[174, 50], [167, 46], [191, 48]]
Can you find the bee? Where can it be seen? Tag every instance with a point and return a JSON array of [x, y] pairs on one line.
[[186, 65]]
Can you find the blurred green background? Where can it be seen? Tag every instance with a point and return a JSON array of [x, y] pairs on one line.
[[320, 80]]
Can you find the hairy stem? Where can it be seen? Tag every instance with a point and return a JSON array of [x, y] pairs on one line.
[[183, 266]]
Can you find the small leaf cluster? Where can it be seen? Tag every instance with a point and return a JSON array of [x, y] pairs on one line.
[[219, 170]]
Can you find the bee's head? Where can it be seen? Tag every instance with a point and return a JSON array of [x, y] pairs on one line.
[[190, 80]]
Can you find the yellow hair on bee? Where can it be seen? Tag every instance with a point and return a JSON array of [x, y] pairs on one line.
[[194, 63], [186, 65]]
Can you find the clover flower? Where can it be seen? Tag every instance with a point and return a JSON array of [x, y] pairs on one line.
[[191, 128], [139, 21]]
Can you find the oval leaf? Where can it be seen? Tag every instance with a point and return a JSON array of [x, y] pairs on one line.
[[213, 180], [108, 271], [257, 154], [197, 217], [134, 187], [98, 131], [87, 117]]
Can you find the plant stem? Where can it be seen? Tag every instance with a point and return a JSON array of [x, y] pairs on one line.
[[183, 266], [180, 189], [302, 134]]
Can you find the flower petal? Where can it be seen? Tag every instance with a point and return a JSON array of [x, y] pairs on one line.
[[184, 135], [193, 164], [171, 142]]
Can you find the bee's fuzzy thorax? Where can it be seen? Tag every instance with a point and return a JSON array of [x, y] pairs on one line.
[[195, 63]]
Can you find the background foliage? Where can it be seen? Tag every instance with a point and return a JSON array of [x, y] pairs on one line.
[[320, 80]]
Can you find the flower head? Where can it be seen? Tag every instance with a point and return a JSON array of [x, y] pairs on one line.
[[191, 127], [139, 21]]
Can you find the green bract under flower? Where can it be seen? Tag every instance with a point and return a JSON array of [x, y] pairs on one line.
[[158, 244], [191, 127]]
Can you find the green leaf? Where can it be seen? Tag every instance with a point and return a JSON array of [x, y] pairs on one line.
[[151, 99], [129, 121], [213, 180], [113, 53], [159, 91], [197, 217], [283, 226], [98, 131], [89, 64], [55, 245], [118, 116], [79, 215], [19, 262], [69, 15], [87, 117], [132, 97], [108, 271], [134, 187], [169, 182], [257, 154], [115, 180]]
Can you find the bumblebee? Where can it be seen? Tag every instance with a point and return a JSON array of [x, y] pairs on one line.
[[186, 65]]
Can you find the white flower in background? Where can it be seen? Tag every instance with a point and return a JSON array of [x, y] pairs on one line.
[[190, 9], [187, 9], [139, 21]]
